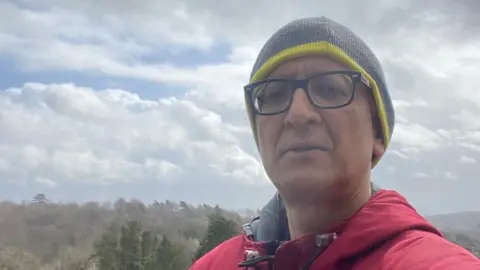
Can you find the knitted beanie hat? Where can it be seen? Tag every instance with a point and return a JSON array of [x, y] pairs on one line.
[[322, 36]]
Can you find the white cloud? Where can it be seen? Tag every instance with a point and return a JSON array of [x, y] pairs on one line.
[[47, 182], [467, 160], [450, 175], [401, 104], [421, 175], [70, 133], [436, 174], [399, 154], [419, 137], [467, 119]]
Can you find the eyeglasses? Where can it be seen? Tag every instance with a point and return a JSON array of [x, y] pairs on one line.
[[329, 90]]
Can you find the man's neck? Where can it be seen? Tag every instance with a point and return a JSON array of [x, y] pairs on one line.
[[308, 218]]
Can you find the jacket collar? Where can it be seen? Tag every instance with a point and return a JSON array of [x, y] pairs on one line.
[[272, 223]]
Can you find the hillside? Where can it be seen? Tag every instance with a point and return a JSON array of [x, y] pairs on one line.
[[467, 222], [45, 235], [462, 228]]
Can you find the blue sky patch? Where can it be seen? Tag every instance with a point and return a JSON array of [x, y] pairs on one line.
[[12, 76], [189, 57]]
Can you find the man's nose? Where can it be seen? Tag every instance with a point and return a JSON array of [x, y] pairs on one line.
[[301, 111]]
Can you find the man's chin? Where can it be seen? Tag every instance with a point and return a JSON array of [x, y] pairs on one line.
[[305, 157], [305, 180]]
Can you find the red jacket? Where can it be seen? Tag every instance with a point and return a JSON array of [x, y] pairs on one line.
[[387, 233]]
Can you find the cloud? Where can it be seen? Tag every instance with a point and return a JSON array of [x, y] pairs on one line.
[[194, 142], [419, 137], [467, 160], [69, 133], [434, 174]]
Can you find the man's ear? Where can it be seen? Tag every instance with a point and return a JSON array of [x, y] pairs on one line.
[[378, 148]]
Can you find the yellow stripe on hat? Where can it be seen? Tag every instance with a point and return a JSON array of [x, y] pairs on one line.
[[319, 48]]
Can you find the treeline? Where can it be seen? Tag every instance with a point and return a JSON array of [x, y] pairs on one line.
[[53, 236]]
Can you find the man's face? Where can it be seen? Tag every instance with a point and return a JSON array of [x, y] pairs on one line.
[[344, 137]]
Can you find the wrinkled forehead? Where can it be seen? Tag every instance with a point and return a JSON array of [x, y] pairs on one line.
[[306, 66]]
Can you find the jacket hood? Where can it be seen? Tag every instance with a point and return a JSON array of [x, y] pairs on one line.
[[272, 223], [385, 216]]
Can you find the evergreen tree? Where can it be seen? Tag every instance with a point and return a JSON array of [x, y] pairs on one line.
[[149, 246], [130, 256], [219, 230], [132, 248], [170, 256], [106, 250]]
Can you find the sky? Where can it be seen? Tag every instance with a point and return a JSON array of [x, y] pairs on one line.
[[143, 99]]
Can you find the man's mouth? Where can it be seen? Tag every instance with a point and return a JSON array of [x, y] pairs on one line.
[[303, 149], [306, 148]]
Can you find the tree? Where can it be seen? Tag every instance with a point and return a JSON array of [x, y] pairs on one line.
[[184, 206], [106, 250], [12, 258], [132, 248], [130, 256], [170, 256], [149, 246], [219, 229]]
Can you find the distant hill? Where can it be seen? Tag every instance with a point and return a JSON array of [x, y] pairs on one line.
[[462, 228], [462, 222]]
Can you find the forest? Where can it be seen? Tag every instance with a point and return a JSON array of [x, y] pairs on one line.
[[122, 235]]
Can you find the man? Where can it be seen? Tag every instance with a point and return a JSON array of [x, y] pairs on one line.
[[322, 118]]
